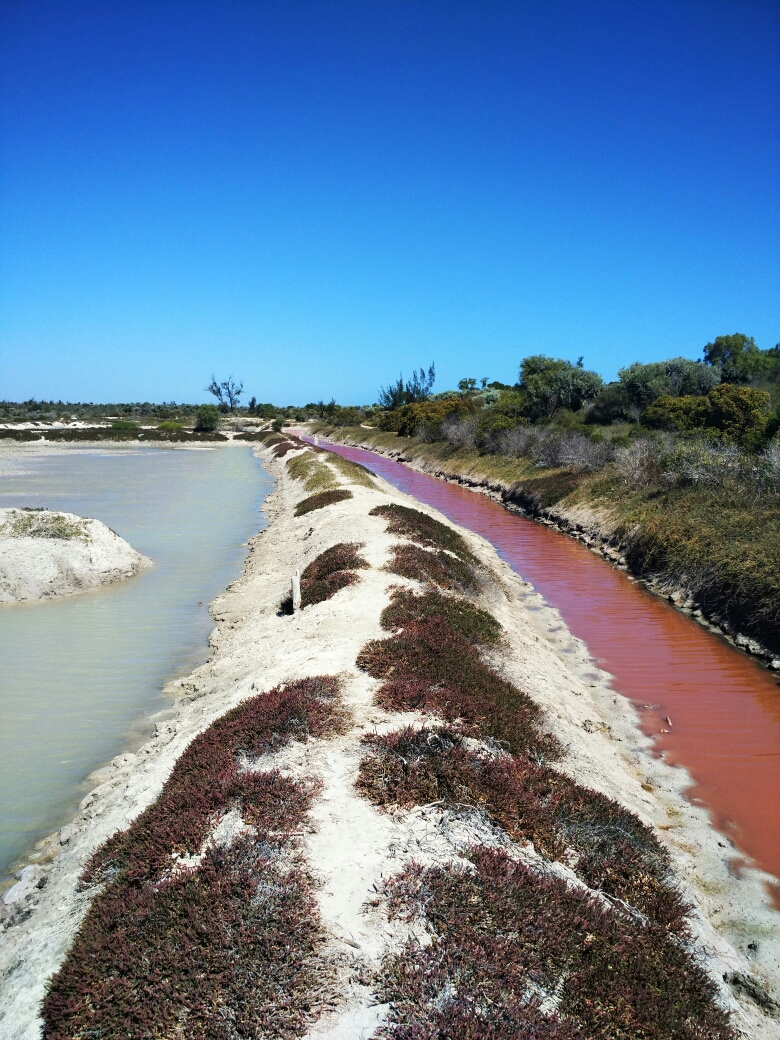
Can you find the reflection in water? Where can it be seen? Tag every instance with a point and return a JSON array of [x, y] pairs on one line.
[[79, 671], [725, 709]]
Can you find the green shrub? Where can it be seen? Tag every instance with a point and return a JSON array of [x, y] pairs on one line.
[[207, 417], [170, 427], [124, 424], [738, 413]]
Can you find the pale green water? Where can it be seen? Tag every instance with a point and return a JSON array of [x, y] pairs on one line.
[[78, 675]]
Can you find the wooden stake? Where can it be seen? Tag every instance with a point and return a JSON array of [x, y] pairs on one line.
[[296, 590]]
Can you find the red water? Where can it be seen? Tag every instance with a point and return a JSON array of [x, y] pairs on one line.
[[725, 708]]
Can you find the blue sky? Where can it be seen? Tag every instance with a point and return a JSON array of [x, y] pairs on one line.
[[314, 196]]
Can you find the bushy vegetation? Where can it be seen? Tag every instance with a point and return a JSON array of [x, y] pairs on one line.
[[512, 955], [440, 555], [510, 951], [322, 499], [225, 944], [207, 417], [330, 572]]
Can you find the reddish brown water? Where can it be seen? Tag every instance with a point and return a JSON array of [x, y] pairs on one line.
[[725, 709]]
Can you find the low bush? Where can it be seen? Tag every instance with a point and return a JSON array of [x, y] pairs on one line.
[[322, 499], [463, 617], [330, 572], [127, 424], [169, 426], [738, 413], [221, 946], [429, 666], [607, 846], [207, 417], [432, 568], [423, 529], [513, 955]]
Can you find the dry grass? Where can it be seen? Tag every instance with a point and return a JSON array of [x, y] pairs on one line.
[[37, 523]]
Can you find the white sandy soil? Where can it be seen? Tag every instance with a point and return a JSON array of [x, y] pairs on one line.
[[38, 566], [351, 845]]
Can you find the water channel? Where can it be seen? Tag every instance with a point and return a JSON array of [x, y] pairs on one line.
[[724, 707], [81, 674]]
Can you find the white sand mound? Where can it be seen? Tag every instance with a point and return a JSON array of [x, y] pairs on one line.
[[45, 553]]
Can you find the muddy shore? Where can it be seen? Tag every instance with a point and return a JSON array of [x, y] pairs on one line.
[[348, 844]]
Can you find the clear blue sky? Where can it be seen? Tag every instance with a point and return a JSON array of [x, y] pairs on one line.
[[314, 196]]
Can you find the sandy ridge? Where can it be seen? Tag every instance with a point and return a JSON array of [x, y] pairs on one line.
[[349, 844]]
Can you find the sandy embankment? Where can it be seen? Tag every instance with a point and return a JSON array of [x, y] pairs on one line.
[[350, 845], [44, 553]]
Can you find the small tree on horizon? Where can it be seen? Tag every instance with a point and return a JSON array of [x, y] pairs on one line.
[[227, 392], [418, 388]]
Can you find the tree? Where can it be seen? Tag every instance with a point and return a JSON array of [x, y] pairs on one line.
[[207, 417], [725, 349], [418, 388], [227, 392], [741, 361], [252, 405], [676, 377], [552, 383]]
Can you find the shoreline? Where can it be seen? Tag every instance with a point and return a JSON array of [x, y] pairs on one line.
[[591, 527], [253, 648]]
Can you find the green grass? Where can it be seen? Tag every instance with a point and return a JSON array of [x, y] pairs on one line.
[[312, 471], [356, 473]]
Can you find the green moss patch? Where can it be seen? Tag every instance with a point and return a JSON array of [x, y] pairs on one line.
[[312, 470], [356, 473]]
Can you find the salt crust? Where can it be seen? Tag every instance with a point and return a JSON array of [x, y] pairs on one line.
[[351, 846]]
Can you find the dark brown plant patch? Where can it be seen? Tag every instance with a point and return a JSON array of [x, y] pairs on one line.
[[331, 571], [607, 846], [432, 568], [432, 667], [515, 955], [322, 499], [463, 617], [423, 529], [223, 948]]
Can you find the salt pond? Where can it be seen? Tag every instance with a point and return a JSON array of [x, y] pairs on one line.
[[80, 676]]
